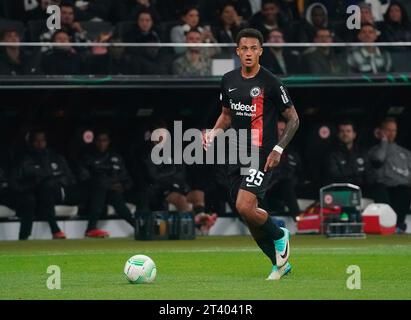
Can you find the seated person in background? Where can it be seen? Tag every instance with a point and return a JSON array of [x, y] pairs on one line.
[[173, 183], [397, 28], [69, 25], [137, 6], [212, 9], [63, 60], [323, 60], [268, 18], [285, 178], [366, 18], [393, 172], [190, 20], [111, 60], [316, 17], [369, 59], [349, 163], [151, 60], [40, 179], [229, 24], [107, 178], [196, 61], [94, 10], [14, 60], [279, 60]]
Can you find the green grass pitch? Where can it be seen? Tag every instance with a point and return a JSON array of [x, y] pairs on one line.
[[207, 268]]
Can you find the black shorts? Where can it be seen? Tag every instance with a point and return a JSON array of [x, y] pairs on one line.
[[158, 192], [255, 182]]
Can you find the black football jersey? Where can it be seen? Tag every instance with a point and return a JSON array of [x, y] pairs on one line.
[[255, 103]]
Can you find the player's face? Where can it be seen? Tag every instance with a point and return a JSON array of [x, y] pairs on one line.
[[390, 131], [102, 143], [346, 134], [249, 51]]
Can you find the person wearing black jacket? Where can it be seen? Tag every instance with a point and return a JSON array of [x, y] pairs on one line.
[[40, 179], [107, 177], [349, 163], [14, 60]]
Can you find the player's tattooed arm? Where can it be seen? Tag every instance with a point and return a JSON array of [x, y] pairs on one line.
[[293, 122]]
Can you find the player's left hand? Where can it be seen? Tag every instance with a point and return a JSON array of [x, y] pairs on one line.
[[272, 161]]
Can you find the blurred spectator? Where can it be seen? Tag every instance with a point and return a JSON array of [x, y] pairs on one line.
[[166, 182], [104, 171], [41, 180], [196, 61], [323, 60], [173, 9], [285, 177], [93, 10], [230, 23], [397, 28], [348, 162], [151, 60], [212, 9], [316, 17], [279, 60], [14, 60], [369, 59], [393, 172], [169, 183], [62, 60], [111, 60], [69, 25], [190, 20], [366, 18], [137, 6], [269, 18]]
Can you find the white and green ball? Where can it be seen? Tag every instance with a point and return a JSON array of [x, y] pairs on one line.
[[140, 269]]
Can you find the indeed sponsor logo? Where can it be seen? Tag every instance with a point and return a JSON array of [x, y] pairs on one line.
[[242, 107]]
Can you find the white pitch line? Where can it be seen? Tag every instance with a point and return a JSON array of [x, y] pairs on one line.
[[395, 249]]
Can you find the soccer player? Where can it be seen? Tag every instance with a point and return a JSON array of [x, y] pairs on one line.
[[261, 97]]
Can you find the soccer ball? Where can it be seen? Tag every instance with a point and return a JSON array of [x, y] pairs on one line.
[[140, 269]]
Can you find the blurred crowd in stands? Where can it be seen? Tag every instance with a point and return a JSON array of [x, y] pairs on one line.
[[34, 178], [201, 21]]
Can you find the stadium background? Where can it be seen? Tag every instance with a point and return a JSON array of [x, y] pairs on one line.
[[67, 105]]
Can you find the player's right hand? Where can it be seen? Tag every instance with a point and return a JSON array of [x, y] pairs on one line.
[[208, 137]]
